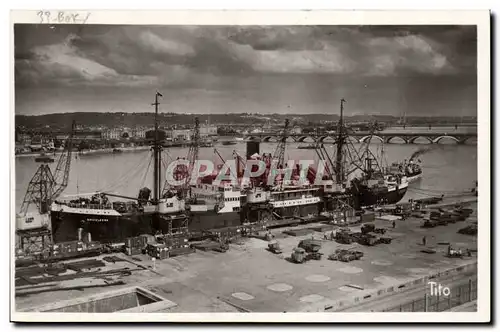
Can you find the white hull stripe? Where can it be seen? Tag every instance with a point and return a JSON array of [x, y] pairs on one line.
[[295, 202], [96, 212]]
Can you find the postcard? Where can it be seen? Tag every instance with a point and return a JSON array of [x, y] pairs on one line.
[[250, 166]]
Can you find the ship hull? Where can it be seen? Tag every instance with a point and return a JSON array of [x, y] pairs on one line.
[[262, 213], [200, 221], [297, 211], [112, 229], [101, 228], [414, 177], [370, 197]]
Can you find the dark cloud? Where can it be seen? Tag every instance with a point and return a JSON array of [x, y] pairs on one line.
[[232, 51], [247, 61]]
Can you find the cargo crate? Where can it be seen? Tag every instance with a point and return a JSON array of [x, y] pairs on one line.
[[133, 251], [367, 217]]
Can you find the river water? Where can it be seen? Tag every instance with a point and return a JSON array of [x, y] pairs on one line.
[[447, 168]]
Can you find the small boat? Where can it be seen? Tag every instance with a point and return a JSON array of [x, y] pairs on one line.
[[228, 143], [206, 144], [308, 147], [117, 151], [43, 158]]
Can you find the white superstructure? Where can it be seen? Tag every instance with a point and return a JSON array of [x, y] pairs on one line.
[[223, 198]]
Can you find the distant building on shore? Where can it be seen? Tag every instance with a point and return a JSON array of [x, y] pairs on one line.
[[112, 133], [139, 132], [180, 134], [208, 130], [120, 133]]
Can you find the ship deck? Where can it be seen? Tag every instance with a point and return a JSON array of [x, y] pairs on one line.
[[249, 278]]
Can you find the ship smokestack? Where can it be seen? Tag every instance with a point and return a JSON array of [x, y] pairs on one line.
[[89, 237], [80, 231], [253, 147]]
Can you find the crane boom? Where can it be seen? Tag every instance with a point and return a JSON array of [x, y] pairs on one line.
[[279, 153], [192, 155], [61, 174]]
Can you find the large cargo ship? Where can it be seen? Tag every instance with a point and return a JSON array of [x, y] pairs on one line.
[[107, 221], [113, 222], [379, 189], [371, 186]]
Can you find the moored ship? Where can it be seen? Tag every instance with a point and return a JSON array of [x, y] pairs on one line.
[[379, 189], [371, 186], [113, 221], [98, 218]]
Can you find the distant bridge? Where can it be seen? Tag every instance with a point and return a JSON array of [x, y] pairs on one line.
[[390, 135]]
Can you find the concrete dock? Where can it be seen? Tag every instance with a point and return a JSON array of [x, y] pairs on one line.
[[249, 278]]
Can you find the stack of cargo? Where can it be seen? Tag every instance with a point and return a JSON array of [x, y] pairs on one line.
[[368, 217], [178, 244], [72, 249], [94, 245], [443, 217], [462, 212], [344, 255], [429, 223], [368, 239], [134, 245], [367, 228], [226, 234], [403, 209], [344, 235], [350, 217], [158, 250], [65, 249], [344, 217], [146, 238]]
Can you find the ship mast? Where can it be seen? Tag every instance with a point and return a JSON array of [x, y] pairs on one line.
[[339, 176], [157, 153]]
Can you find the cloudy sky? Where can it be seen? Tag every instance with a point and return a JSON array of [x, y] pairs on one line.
[[422, 70]]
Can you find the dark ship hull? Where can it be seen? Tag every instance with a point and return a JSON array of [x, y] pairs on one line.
[[111, 229], [374, 196], [102, 228], [200, 221]]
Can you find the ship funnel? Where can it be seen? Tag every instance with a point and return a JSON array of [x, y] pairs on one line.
[[253, 147]]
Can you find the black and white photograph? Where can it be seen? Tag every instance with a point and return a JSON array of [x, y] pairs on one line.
[[272, 169]]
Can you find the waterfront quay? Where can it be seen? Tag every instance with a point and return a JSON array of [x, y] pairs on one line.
[[249, 278]]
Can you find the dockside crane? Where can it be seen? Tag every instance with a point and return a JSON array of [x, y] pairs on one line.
[[279, 153], [45, 186], [61, 174], [364, 158], [32, 227], [184, 172]]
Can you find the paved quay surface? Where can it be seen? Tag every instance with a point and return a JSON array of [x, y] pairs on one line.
[[467, 307], [251, 279]]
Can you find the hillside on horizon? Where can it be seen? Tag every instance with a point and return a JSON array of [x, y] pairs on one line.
[[120, 119]]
